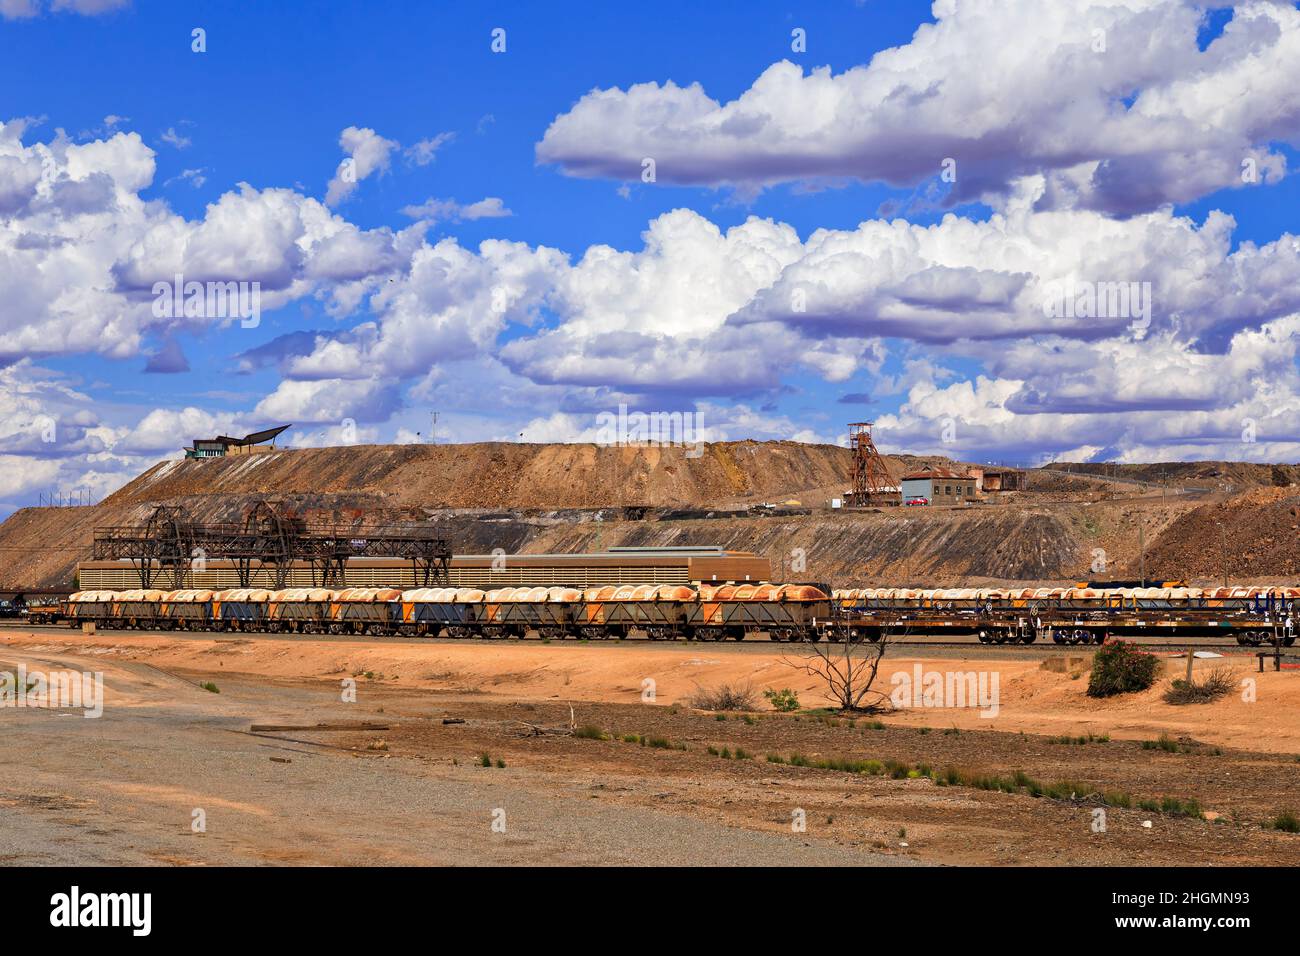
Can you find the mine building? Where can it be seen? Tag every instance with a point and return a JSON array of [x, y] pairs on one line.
[[224, 445], [939, 486], [994, 480]]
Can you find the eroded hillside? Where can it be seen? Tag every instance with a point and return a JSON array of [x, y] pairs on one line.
[[570, 498]]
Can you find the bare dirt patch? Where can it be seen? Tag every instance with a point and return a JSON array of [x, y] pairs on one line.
[[639, 761]]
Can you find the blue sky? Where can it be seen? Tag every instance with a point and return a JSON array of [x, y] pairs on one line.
[[1103, 175]]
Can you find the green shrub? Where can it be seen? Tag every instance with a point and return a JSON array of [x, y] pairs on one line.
[[590, 733], [784, 700], [1287, 822], [210, 687], [1120, 668], [1175, 807]]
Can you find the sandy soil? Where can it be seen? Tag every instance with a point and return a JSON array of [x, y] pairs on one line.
[[122, 789], [1033, 698]]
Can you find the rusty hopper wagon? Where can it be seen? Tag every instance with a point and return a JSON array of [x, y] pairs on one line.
[[658, 611], [787, 612]]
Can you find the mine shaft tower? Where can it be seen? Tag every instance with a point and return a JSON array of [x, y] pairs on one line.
[[872, 483]]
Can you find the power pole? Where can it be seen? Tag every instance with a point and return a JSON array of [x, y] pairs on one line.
[[1142, 552], [1223, 553]]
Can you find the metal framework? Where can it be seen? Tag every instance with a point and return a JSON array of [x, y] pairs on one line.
[[872, 482], [170, 545]]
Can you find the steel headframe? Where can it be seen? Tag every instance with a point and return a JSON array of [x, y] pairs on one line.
[[872, 482]]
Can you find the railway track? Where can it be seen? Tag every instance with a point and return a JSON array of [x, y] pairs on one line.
[[915, 641]]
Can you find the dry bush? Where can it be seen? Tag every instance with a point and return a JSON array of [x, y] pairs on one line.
[[724, 697], [1218, 683], [848, 670]]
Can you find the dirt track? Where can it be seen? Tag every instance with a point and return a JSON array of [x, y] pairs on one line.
[[122, 788]]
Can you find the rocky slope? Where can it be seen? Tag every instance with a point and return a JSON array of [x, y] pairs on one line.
[[575, 498]]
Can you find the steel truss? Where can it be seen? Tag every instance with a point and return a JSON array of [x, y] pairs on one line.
[[170, 545]]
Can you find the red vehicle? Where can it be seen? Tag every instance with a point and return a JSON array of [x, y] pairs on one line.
[[918, 500]]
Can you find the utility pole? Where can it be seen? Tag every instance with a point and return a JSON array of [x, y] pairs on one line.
[[1142, 552], [1223, 552], [433, 434]]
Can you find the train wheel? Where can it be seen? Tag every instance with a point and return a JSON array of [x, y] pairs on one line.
[[984, 638]]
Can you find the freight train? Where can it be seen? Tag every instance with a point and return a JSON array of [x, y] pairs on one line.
[[660, 612], [784, 612], [1074, 615]]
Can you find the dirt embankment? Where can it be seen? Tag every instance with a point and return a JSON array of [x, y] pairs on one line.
[[503, 475], [987, 545], [1220, 475], [369, 484], [1255, 534], [565, 498], [888, 547]]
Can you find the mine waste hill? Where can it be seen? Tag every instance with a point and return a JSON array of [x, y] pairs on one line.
[[767, 497]]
